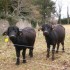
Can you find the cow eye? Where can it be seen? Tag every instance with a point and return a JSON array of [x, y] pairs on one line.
[[42, 29]]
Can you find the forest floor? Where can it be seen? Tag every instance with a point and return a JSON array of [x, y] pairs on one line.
[[39, 61]]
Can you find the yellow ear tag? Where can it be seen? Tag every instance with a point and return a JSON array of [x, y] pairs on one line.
[[6, 40]]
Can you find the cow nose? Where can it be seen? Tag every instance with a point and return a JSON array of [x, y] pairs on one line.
[[46, 33], [12, 36]]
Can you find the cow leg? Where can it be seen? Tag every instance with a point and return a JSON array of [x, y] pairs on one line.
[[18, 56], [48, 50], [57, 48], [53, 51], [31, 52], [62, 46], [23, 54]]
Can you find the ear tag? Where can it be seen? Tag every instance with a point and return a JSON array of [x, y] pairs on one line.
[[6, 39]]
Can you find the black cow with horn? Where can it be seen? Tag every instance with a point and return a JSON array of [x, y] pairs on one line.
[[54, 34], [22, 40]]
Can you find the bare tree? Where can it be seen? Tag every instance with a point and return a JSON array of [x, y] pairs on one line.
[[59, 11], [5, 4], [68, 14], [17, 7]]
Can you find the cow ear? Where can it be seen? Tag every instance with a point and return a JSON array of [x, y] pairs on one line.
[[5, 33]]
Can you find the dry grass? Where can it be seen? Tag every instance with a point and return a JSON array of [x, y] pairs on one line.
[[39, 61]]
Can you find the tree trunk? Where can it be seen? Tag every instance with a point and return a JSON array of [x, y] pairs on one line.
[[67, 15]]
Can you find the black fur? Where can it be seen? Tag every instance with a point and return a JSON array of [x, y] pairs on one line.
[[53, 35], [22, 40]]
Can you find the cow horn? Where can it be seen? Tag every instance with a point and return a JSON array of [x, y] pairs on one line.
[[52, 27], [39, 28]]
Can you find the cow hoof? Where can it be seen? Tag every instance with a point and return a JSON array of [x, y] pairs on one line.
[[17, 63], [24, 61], [48, 56], [52, 59], [56, 51], [63, 51], [31, 56]]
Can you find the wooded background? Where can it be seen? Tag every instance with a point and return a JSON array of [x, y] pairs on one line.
[[35, 11]]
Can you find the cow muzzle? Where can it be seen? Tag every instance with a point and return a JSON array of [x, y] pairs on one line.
[[45, 33], [12, 36]]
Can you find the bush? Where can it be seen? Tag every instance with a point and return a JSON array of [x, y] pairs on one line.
[[33, 23], [12, 19], [64, 21]]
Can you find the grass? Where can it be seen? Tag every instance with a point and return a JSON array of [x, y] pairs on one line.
[[39, 61]]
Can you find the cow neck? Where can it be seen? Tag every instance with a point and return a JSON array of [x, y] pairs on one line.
[[49, 36], [14, 40]]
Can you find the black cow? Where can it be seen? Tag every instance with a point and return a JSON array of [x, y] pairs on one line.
[[22, 40], [53, 35]]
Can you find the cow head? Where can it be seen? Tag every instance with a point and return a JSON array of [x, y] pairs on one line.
[[12, 32], [47, 28]]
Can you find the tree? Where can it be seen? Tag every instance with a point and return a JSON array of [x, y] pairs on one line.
[[58, 12], [1, 7], [68, 14], [5, 7], [32, 10], [60, 9], [46, 7]]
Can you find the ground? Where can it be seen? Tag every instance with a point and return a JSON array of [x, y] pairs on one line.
[[39, 61]]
